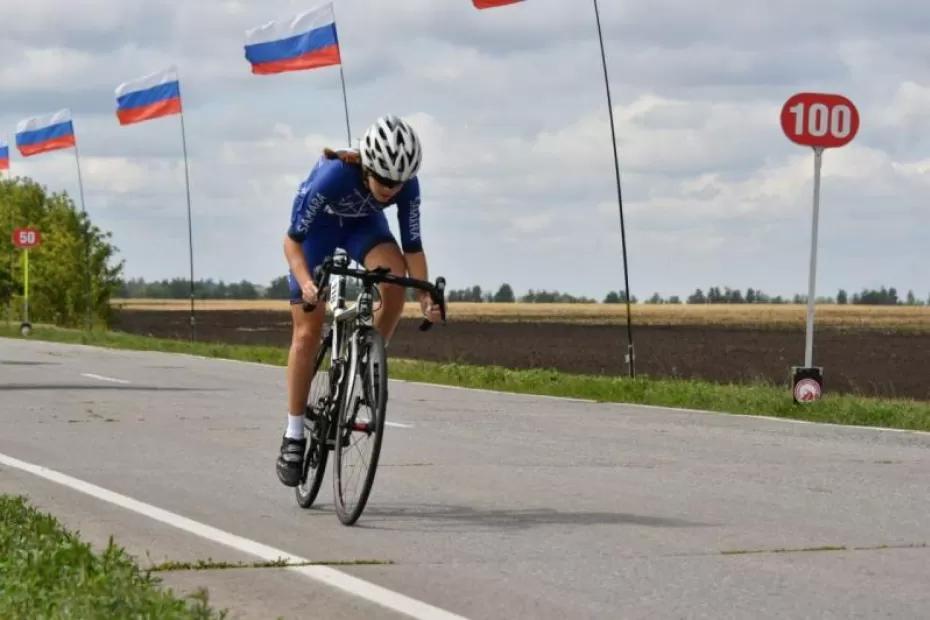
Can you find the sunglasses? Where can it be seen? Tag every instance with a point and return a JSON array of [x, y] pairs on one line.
[[388, 183]]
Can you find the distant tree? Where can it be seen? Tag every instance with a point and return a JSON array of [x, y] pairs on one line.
[[674, 299], [73, 274], [750, 296], [881, 297], [697, 297], [841, 298], [472, 295], [7, 287], [618, 297], [245, 290], [278, 289], [911, 300], [504, 294], [655, 299]]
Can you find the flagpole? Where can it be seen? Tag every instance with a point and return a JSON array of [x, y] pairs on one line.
[[631, 358], [87, 280], [190, 230], [345, 99], [9, 314], [345, 102]]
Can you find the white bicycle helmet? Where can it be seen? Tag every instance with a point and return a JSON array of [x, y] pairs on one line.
[[391, 149]]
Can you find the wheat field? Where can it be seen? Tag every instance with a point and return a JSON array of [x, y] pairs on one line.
[[764, 316]]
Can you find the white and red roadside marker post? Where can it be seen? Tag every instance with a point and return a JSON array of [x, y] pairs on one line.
[[26, 239], [820, 121]]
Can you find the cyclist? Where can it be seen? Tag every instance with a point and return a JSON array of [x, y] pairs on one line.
[[341, 205]]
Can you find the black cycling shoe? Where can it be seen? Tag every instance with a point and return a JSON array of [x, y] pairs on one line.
[[291, 461]]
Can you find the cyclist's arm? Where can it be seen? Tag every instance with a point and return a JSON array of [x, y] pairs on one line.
[[416, 267], [294, 253], [308, 204], [408, 218]]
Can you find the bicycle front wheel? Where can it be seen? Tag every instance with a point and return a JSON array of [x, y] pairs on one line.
[[361, 427], [316, 431]]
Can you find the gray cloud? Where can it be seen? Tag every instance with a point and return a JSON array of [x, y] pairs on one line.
[[518, 176]]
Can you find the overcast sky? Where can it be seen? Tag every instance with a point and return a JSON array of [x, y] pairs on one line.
[[518, 178]]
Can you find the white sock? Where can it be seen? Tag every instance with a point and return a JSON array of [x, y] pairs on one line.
[[295, 427]]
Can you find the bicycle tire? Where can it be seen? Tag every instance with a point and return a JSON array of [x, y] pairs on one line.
[[352, 484], [317, 451]]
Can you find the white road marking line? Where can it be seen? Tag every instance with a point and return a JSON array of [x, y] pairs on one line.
[[102, 378], [398, 425], [324, 574]]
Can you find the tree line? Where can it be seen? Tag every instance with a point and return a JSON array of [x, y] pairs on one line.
[[179, 288], [880, 297], [714, 295]]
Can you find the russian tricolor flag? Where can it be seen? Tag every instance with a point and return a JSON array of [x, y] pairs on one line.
[[489, 4], [40, 134], [4, 155], [152, 96], [306, 42]]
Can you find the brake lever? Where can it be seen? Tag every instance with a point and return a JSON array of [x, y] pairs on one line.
[[439, 293], [317, 276]]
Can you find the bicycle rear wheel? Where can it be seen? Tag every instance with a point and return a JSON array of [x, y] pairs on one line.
[[361, 428], [316, 421]]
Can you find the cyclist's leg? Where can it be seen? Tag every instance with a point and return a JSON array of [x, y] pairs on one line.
[[306, 335], [305, 341], [372, 244]]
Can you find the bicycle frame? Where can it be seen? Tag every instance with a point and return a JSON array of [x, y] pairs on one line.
[[344, 353]]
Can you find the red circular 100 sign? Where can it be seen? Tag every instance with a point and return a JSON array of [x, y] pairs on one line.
[[25, 238], [820, 120]]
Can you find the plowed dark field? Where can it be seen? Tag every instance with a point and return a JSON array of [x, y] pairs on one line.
[[862, 362]]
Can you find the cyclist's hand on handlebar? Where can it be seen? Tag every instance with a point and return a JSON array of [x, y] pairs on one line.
[[430, 310], [309, 292]]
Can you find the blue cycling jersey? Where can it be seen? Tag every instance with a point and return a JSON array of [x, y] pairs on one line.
[[335, 188]]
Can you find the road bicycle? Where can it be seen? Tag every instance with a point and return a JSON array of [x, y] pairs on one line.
[[346, 410]]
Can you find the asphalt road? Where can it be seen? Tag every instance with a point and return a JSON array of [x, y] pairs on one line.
[[486, 505]]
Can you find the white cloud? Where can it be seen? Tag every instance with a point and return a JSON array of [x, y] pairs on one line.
[[518, 178]]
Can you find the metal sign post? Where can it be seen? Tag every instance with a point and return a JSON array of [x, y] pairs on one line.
[[24, 239], [819, 121], [26, 326]]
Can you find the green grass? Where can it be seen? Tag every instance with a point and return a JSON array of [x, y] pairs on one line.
[[47, 572], [753, 399]]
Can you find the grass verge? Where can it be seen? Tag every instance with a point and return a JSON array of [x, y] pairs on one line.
[[47, 572], [752, 399]]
